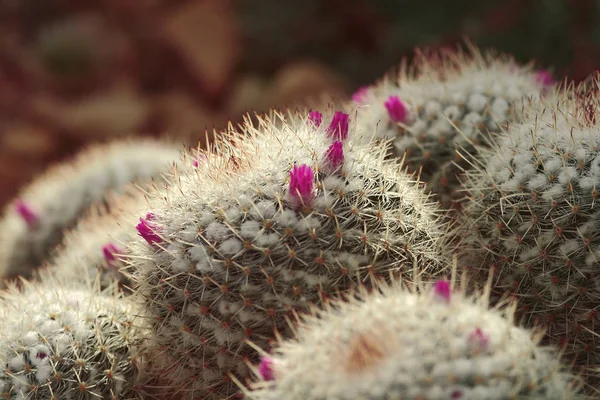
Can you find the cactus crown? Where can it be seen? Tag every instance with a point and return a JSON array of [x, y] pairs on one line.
[[444, 101], [416, 342], [282, 218]]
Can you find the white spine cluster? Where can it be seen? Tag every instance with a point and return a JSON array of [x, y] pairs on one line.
[[399, 344], [284, 216], [443, 104], [95, 248], [35, 222], [533, 218], [60, 341]]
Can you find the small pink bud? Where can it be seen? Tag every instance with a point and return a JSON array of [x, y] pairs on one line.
[[544, 78], [442, 290], [338, 129], [110, 252], [147, 229], [198, 159], [334, 157], [265, 368], [301, 183], [397, 110], [316, 118], [360, 95], [26, 212], [478, 339]]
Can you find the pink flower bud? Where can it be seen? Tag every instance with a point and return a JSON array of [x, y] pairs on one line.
[[478, 340], [301, 184], [148, 230], [265, 369], [544, 78], [110, 252], [316, 118], [360, 95], [442, 290], [334, 157], [338, 129], [25, 211], [397, 110]]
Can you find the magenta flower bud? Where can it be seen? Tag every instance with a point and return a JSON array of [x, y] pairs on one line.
[[148, 230], [26, 212], [338, 129], [265, 369], [442, 290], [360, 95], [110, 252], [478, 339], [301, 183], [397, 110], [198, 159], [544, 78], [334, 156], [316, 118]]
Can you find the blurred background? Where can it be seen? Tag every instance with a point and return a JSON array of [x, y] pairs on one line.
[[73, 72]]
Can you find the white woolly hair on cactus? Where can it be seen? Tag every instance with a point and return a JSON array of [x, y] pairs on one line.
[[62, 341], [442, 101], [533, 218], [33, 224], [285, 215], [412, 342], [95, 248]]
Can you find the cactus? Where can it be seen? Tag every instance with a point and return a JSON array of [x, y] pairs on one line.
[[396, 343], [95, 248], [62, 341], [533, 218], [442, 103], [286, 217], [34, 223]]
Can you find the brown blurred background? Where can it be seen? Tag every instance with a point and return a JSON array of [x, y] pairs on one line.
[[79, 71]]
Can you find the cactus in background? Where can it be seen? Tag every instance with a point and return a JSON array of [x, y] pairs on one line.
[[400, 344], [94, 249], [35, 222], [533, 216], [289, 215], [441, 103], [62, 341]]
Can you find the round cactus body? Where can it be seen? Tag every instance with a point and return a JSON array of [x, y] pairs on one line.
[[442, 104], [62, 342], [35, 222], [284, 217], [399, 344], [533, 219]]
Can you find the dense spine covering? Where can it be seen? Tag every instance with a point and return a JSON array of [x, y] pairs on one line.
[[60, 342], [96, 247], [285, 216], [533, 218], [426, 344], [444, 102], [35, 222]]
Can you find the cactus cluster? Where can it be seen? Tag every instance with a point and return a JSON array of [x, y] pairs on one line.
[[443, 103], [64, 341], [267, 226], [533, 218], [396, 343], [35, 222], [301, 237]]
